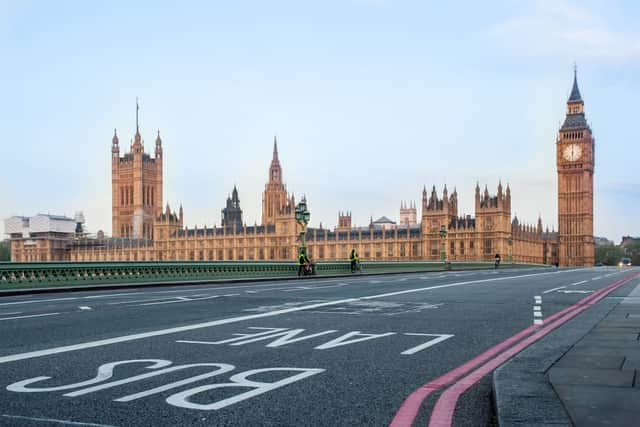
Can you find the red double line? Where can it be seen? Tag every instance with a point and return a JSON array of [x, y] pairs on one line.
[[442, 414]]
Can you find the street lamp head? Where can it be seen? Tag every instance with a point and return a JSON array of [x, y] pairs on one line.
[[443, 231], [302, 214]]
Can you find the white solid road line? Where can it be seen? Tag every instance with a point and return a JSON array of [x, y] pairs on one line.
[[39, 300], [554, 289], [578, 283], [174, 330], [54, 421], [25, 317]]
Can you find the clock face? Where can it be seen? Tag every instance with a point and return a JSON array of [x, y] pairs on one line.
[[572, 152]]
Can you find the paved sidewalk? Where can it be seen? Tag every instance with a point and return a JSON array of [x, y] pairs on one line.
[[585, 373], [597, 380]]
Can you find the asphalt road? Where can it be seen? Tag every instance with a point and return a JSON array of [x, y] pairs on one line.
[[319, 351]]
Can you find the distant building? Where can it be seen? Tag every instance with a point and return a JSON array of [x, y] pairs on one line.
[[383, 222], [232, 214], [603, 241], [408, 215], [628, 241], [42, 237], [143, 232]]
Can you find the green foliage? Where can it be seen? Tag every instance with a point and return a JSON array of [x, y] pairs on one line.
[[5, 250], [609, 255]]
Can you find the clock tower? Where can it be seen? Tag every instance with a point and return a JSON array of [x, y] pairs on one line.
[[575, 151]]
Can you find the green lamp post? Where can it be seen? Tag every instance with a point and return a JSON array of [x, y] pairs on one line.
[[302, 218], [510, 242], [443, 236]]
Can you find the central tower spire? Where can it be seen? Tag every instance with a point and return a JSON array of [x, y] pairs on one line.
[[275, 150], [275, 171]]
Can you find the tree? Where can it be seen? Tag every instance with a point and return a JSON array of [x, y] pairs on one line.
[[609, 255], [5, 250]]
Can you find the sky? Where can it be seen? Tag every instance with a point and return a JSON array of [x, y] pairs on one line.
[[371, 100]]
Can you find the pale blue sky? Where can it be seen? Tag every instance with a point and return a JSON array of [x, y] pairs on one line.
[[370, 101]]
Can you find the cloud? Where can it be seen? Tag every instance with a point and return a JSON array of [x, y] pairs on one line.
[[565, 28]]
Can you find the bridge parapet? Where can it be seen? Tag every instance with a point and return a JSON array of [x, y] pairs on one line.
[[53, 274]]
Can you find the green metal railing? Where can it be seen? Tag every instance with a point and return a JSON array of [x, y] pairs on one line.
[[44, 274]]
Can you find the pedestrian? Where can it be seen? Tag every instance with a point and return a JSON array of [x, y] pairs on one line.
[[497, 264], [354, 260]]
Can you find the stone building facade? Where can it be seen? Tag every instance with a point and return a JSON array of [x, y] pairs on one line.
[[143, 231], [136, 187]]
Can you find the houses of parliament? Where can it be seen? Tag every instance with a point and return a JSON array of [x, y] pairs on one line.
[[144, 229]]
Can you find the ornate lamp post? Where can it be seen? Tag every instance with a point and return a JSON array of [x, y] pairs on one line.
[[302, 218], [443, 236], [510, 242]]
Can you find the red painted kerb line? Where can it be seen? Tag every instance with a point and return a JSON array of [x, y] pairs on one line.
[[411, 406], [442, 414]]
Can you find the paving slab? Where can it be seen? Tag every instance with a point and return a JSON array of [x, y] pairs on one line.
[[601, 377], [574, 359], [599, 398], [631, 362]]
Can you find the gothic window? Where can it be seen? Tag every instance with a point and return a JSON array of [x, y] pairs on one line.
[[452, 248], [434, 247], [487, 247], [461, 247]]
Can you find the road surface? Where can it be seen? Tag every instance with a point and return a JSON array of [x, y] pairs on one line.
[[320, 351]]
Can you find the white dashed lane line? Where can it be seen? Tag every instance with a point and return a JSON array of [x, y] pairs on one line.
[[25, 317], [537, 311]]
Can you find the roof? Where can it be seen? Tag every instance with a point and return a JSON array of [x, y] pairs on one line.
[[575, 92], [575, 121], [383, 219]]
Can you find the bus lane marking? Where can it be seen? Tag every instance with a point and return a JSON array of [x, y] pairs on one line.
[[279, 337], [180, 399], [226, 321]]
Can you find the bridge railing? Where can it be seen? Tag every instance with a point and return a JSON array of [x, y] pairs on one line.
[[45, 274]]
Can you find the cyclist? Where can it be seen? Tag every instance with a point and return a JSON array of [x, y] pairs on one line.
[[354, 260]]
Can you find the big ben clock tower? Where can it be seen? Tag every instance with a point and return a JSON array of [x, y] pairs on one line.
[[575, 151]]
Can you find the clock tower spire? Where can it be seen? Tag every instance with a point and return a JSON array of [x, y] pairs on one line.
[[575, 148]]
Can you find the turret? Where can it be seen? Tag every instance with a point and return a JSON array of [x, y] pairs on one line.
[[424, 198], [158, 146], [115, 145]]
